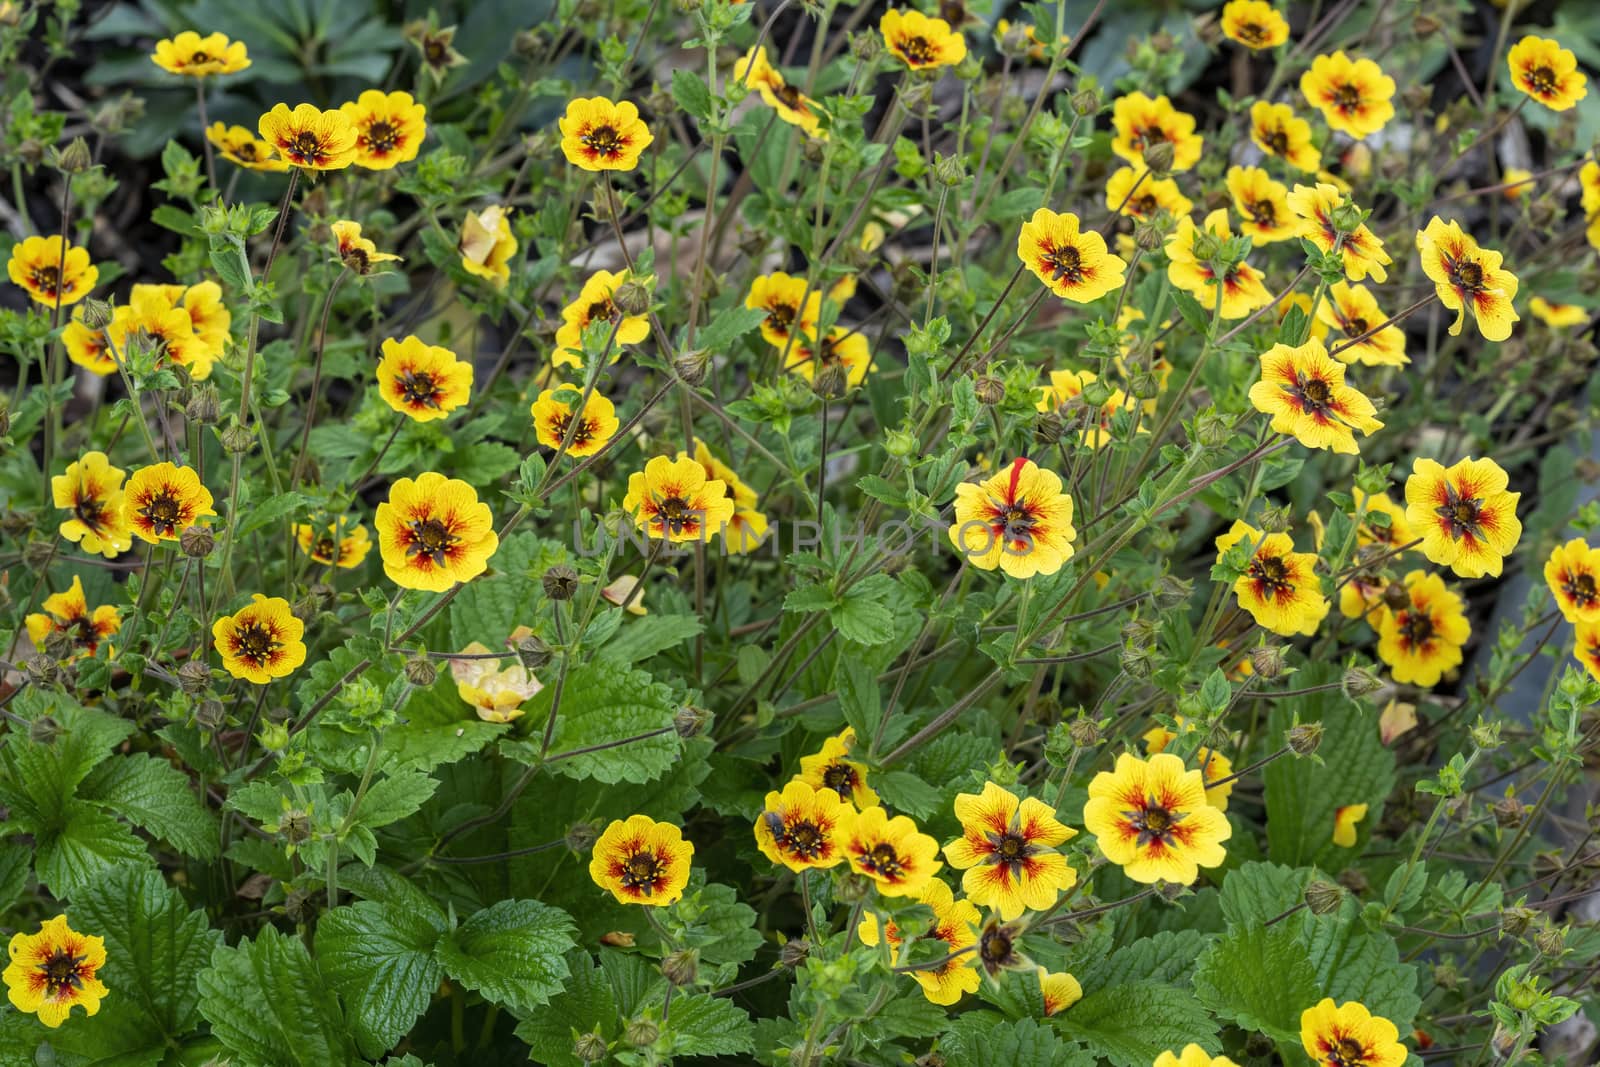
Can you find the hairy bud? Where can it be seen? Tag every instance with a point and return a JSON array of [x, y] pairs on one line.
[[632, 298], [237, 440], [75, 158], [831, 382], [421, 671], [1085, 733], [590, 1047], [1137, 661], [690, 721], [581, 836], [692, 366], [204, 405], [1158, 157], [1516, 919], [948, 171], [1086, 102], [642, 1033], [40, 670], [97, 314], [989, 389], [194, 676], [794, 953], [197, 541], [44, 730], [560, 582], [1147, 236], [1323, 897], [682, 967], [1048, 428], [1268, 661], [1509, 813], [866, 46], [210, 714], [1359, 681], [1304, 739], [1171, 592]]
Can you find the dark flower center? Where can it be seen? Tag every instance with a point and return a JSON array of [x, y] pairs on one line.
[[435, 51], [1314, 394], [1154, 822], [603, 141], [841, 778], [792, 98], [1462, 515], [382, 137], [46, 279], [1467, 274], [326, 549], [804, 839], [1277, 141], [561, 422], [162, 512], [1262, 212], [781, 316], [1355, 327], [884, 860], [91, 512], [1347, 97], [1252, 33], [305, 146], [199, 58], [678, 515], [1581, 589], [1417, 626], [61, 972], [419, 388], [431, 540], [1010, 849], [1019, 523], [246, 150], [641, 872], [1065, 263], [1271, 574], [254, 642], [602, 310], [1347, 1052], [918, 51], [996, 948], [1145, 136], [1543, 80]]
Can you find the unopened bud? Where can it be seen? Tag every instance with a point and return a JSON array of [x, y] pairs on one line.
[[299, 906], [1048, 428], [1086, 102], [75, 158], [204, 405], [44, 730], [197, 541], [560, 582], [590, 1047], [97, 314], [990, 390], [1425, 25], [692, 366], [1395, 597], [1158, 157], [1085, 733], [1171, 891], [295, 826], [1516, 919], [581, 836], [1144, 385], [527, 43], [1137, 661], [532, 652], [899, 443], [237, 440], [642, 1033], [830, 382], [31, 151], [193, 677], [37, 554], [421, 671], [866, 46], [1510, 813], [1213, 430], [1486, 735], [1323, 897], [1268, 661], [631, 298], [690, 721], [1304, 739], [210, 714], [1015, 41], [682, 967], [1171, 592], [1359, 681], [60, 645], [1550, 940], [1147, 236], [948, 171], [794, 953], [1347, 217], [40, 670]]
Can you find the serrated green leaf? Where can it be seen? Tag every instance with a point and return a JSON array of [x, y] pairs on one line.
[[906, 792], [859, 697], [395, 797], [1165, 956], [511, 952], [488, 608], [604, 702], [978, 1040], [704, 1025], [586, 1004], [1259, 977], [267, 1001], [437, 727], [729, 325], [87, 843], [380, 960], [1256, 893], [1354, 964], [156, 796], [640, 638]]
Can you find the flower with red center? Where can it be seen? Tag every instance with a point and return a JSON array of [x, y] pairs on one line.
[[1468, 278], [194, 56], [1345, 820], [162, 501], [1348, 1035], [389, 128], [1464, 515], [804, 828], [152, 328], [1058, 991], [1262, 204], [1019, 521], [1242, 287], [1008, 849], [1279, 132], [831, 768], [1547, 72], [356, 252], [1139, 123], [50, 971], [1353, 310], [1573, 575], [1303, 390], [1255, 24], [240, 147], [423, 382], [310, 138], [91, 489], [595, 304], [1422, 639], [1362, 252], [1072, 264], [1279, 586], [340, 544], [779, 295], [953, 922], [52, 274], [434, 532], [791, 105], [673, 500], [641, 861], [1151, 818], [68, 613], [899, 858], [843, 350], [553, 424], [1396, 534], [1586, 647], [997, 949], [921, 42], [599, 135], [1216, 767], [1128, 195], [1354, 95], [262, 641]]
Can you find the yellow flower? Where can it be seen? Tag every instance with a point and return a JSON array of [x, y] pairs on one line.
[[1141, 122], [389, 128], [594, 304], [832, 769], [497, 693], [641, 861], [1303, 390], [842, 348], [356, 252], [1029, 34], [1127, 195], [1213, 765], [599, 135], [1262, 204], [54, 969], [1349, 1036], [802, 827], [339, 545], [1353, 95], [552, 420], [748, 527], [899, 858], [1518, 182], [433, 532], [162, 501], [309, 137], [1547, 72], [673, 500], [1066, 386], [48, 274], [210, 320], [1243, 289], [1559, 316], [1392, 536], [1072, 264], [1362, 252], [1586, 647], [792, 106], [152, 321], [487, 245], [1279, 587], [1353, 310], [1008, 849], [1345, 820], [1464, 515], [1019, 521], [780, 295], [1255, 24], [920, 42], [1192, 1056], [742, 494], [91, 489], [1277, 131], [261, 641], [1059, 991], [1422, 640], [194, 56], [1573, 574], [68, 612], [88, 348], [424, 382], [241, 148], [1151, 818], [953, 923], [1468, 278], [624, 593]]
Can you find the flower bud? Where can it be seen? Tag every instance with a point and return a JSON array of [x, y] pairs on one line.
[[1171, 592], [1516, 919], [237, 440], [1445, 975], [1048, 428], [204, 405], [932, 1059], [194, 676], [1158, 157], [44, 730], [1486, 735], [830, 382], [274, 736], [1171, 891], [682, 967], [866, 46], [989, 389], [1359, 681], [1147, 236], [197, 541], [794, 953], [210, 714], [31, 151], [1550, 940], [899, 443], [532, 652], [75, 158], [97, 314], [421, 671], [1347, 217], [1144, 385], [1509, 813], [527, 43], [1395, 596], [1268, 661], [1137, 662], [1304, 738], [690, 721], [642, 1033], [59, 645], [1085, 733], [37, 554], [590, 1047], [299, 905], [948, 171], [632, 298], [1213, 430], [581, 836], [560, 582], [1323, 897], [40, 670], [1086, 102], [691, 366], [295, 826]]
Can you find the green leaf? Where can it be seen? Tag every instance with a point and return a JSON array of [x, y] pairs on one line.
[[862, 618], [88, 843], [859, 697], [436, 727], [1353, 964], [603, 702], [976, 1040], [511, 952], [690, 92], [1130, 1025], [722, 928], [489, 608], [380, 960], [263, 513], [153, 794], [726, 326], [14, 864], [1165, 956], [703, 1025], [640, 638], [906, 792], [1261, 978], [395, 797], [1257, 893], [586, 1004], [267, 1001]]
